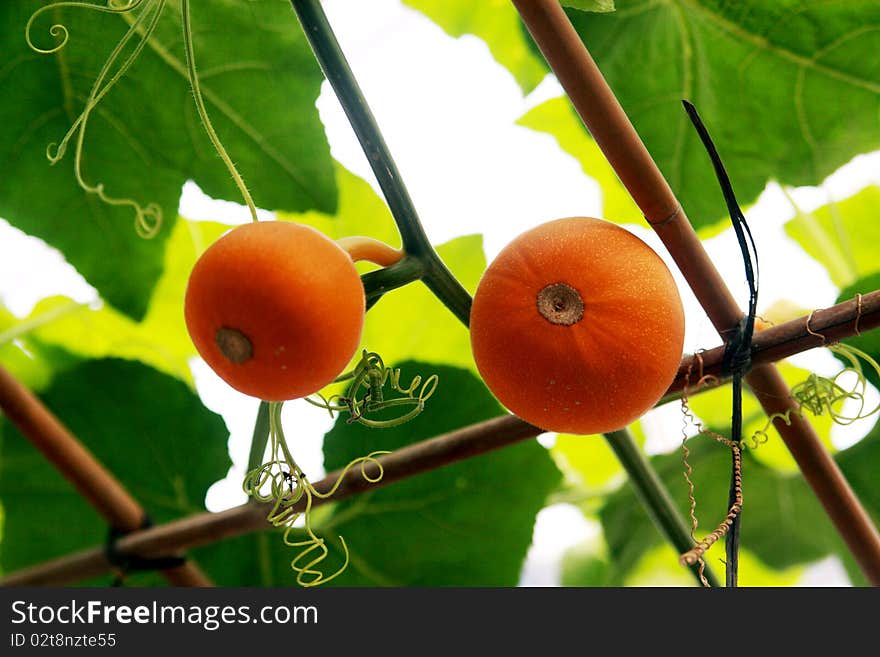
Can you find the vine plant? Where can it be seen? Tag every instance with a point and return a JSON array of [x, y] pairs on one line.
[[279, 480]]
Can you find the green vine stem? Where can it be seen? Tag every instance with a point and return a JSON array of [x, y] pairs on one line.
[[329, 54], [654, 497], [377, 283], [202, 110], [260, 438]]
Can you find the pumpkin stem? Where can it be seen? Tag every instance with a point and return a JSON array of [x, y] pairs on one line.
[[372, 250]]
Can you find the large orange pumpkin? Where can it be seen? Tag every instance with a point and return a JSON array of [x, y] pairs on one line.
[[577, 326], [275, 308]]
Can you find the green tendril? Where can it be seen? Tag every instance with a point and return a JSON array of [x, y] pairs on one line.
[[282, 483], [203, 112], [365, 394], [148, 219], [60, 31], [821, 395]]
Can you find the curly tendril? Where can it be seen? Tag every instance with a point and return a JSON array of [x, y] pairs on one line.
[[60, 31], [366, 394], [821, 395], [695, 554], [148, 219], [817, 395], [282, 483]]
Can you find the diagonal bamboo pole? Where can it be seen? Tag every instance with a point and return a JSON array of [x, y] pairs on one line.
[[98, 486], [610, 127]]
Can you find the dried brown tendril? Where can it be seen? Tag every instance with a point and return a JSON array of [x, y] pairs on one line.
[[695, 555]]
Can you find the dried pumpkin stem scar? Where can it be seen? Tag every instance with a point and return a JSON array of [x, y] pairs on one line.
[[560, 304], [234, 344]]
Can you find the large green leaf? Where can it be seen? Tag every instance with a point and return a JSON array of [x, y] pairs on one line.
[[21, 356], [144, 140], [590, 5], [557, 118], [761, 74], [590, 465], [469, 523], [783, 524], [582, 565], [843, 236], [148, 429], [159, 340], [498, 24]]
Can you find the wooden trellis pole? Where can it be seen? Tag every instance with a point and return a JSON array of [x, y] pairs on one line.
[[205, 528], [609, 125], [787, 339], [668, 219]]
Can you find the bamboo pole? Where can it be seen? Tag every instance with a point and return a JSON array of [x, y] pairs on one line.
[[817, 329], [98, 486], [200, 529], [610, 127], [204, 528]]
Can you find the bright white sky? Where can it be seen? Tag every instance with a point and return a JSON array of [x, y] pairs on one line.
[[448, 112]]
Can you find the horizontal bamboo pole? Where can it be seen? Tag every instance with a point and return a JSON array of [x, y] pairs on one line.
[[615, 135], [785, 339], [205, 528], [77, 464], [819, 328]]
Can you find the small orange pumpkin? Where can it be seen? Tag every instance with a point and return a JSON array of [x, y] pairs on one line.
[[275, 308], [577, 326]]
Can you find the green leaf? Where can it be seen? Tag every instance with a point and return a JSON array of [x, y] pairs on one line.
[[469, 523], [761, 74], [582, 566], [557, 118], [843, 236], [149, 430], [600, 6], [783, 523], [869, 342], [160, 340], [260, 83], [496, 23], [21, 356], [248, 560]]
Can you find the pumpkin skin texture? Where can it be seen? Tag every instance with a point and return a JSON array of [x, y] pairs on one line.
[[275, 308], [577, 326]]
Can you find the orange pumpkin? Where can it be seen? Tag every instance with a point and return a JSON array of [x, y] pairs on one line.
[[276, 309], [577, 326]]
